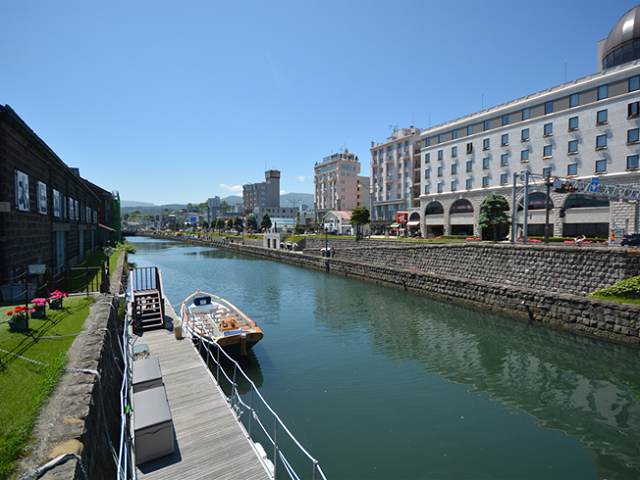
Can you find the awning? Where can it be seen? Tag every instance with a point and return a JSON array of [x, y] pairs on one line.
[[394, 225], [107, 228], [413, 224]]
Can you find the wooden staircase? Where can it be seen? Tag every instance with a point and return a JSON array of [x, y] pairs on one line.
[[147, 301]]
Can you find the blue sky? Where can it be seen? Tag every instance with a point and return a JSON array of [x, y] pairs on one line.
[[179, 101]]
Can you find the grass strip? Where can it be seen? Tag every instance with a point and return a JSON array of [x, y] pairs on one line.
[[24, 386]]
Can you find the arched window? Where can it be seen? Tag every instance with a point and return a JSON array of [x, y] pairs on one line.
[[434, 208], [577, 200], [537, 201], [461, 206]]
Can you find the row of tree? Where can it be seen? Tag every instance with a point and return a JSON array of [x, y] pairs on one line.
[[236, 223]]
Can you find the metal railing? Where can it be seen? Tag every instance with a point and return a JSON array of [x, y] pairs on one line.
[[146, 278], [240, 407]]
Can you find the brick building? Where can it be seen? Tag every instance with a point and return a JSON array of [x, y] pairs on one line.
[[48, 214]]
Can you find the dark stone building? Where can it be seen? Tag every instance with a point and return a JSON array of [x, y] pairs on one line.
[[48, 214]]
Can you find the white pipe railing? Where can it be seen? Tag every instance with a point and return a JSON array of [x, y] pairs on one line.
[[240, 407]]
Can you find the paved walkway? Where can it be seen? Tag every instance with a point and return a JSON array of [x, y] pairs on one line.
[[209, 441]]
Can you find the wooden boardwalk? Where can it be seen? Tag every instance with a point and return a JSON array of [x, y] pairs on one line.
[[209, 441]]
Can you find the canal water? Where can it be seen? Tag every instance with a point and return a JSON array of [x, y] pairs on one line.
[[378, 383]]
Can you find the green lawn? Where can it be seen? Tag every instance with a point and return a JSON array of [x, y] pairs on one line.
[[25, 386]]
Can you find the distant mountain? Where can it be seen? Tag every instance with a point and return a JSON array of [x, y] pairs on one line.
[[133, 203], [288, 200], [232, 199]]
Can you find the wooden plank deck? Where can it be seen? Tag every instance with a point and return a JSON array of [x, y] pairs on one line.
[[209, 441]]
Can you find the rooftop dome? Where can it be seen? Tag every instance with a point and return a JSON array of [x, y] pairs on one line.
[[619, 47]]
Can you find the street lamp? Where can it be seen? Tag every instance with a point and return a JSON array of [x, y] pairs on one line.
[[326, 241], [370, 188]]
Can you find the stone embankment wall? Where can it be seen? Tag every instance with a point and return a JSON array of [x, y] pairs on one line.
[[561, 269], [503, 290], [82, 410]]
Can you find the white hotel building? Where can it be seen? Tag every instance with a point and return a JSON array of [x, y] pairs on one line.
[[584, 128]]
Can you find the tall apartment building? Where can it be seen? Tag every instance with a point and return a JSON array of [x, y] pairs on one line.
[[581, 129], [395, 174], [264, 197], [336, 181]]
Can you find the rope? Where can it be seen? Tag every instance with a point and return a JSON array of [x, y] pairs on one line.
[[56, 461]]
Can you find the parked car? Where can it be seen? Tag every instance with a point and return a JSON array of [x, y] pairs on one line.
[[633, 239]]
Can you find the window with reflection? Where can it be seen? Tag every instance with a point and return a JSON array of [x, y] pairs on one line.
[[548, 129], [526, 113], [573, 123], [469, 165], [601, 117], [572, 169], [469, 184], [577, 200], [525, 134], [505, 120], [434, 208], [485, 181], [537, 201], [504, 179], [487, 125], [574, 100], [485, 163], [461, 205], [524, 156], [634, 83], [603, 92], [485, 144], [632, 135], [505, 139], [504, 159], [548, 107], [470, 130], [601, 166], [454, 151], [454, 134], [547, 151], [601, 142], [573, 146], [632, 162]]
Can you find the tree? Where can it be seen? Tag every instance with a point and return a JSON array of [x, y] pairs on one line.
[[205, 224], [239, 223], [359, 217], [492, 213], [252, 223], [266, 221], [220, 224], [230, 224]]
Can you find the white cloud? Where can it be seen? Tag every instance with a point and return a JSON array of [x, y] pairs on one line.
[[283, 192], [302, 178], [231, 188]]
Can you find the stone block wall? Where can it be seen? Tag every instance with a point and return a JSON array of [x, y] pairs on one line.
[[561, 269]]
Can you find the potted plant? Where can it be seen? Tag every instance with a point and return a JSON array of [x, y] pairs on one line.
[[56, 299], [40, 307], [19, 320]]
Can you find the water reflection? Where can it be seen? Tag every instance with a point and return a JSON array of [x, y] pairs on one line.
[[552, 376]]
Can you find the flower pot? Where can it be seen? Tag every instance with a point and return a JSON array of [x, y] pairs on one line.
[[18, 325], [55, 304], [39, 313]]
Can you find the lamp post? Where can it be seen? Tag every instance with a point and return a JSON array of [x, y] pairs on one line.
[[326, 241], [370, 188]]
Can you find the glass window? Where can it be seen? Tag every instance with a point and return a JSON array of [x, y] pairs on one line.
[[573, 123], [546, 172], [573, 146], [470, 130], [427, 188], [454, 185], [454, 134], [427, 173], [574, 100], [469, 183], [548, 129], [454, 168], [547, 151], [454, 151], [485, 181], [440, 187], [440, 154], [603, 92], [427, 157], [469, 165], [504, 178], [525, 134], [485, 162], [441, 138], [440, 170], [634, 108], [505, 120], [487, 125], [505, 139], [572, 169], [632, 162], [524, 156], [469, 147], [485, 144], [548, 107], [427, 141], [601, 141], [601, 166], [526, 114], [601, 117], [504, 159], [634, 83], [632, 136]]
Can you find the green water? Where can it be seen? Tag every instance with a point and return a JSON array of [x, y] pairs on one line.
[[378, 383]]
